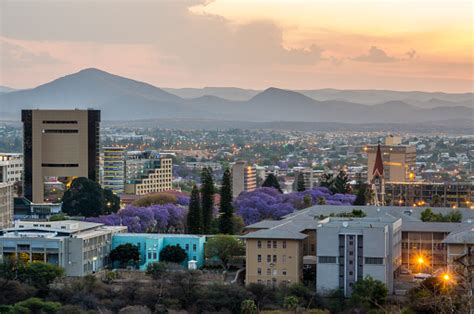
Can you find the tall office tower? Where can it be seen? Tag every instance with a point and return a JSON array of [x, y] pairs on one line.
[[6, 205], [113, 171], [148, 172], [399, 160], [58, 146], [244, 177], [11, 170], [308, 178]]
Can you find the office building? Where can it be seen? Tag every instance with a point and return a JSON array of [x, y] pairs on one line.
[[58, 146], [6, 205], [447, 194], [148, 172], [113, 169], [11, 167], [308, 178], [399, 160], [150, 246], [80, 247], [244, 177]]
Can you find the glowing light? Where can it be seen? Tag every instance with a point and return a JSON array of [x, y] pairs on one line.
[[420, 260], [446, 277]]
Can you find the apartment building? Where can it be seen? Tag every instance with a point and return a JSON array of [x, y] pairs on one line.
[[113, 169], [58, 146], [244, 177], [11, 170], [148, 172], [6, 205], [80, 247], [399, 160], [460, 246], [447, 194], [308, 178]]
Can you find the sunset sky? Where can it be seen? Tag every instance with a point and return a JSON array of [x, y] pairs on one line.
[[348, 44]]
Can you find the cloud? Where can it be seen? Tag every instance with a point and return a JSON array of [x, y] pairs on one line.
[[15, 56], [375, 55]]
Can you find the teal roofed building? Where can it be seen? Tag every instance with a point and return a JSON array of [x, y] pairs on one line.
[[151, 244]]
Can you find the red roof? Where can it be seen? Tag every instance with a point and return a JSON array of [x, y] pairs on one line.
[[378, 165]]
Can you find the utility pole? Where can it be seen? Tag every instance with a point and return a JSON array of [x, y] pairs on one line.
[[466, 271]]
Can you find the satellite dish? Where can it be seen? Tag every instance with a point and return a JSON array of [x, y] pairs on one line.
[[345, 224]]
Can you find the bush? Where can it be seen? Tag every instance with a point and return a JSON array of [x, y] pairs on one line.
[[155, 199]]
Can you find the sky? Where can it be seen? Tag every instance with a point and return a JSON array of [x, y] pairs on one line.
[[346, 44]]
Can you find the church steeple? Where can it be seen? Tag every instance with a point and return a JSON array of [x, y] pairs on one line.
[[378, 180], [378, 165]]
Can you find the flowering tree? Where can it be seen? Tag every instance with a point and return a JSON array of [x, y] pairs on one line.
[[268, 203]]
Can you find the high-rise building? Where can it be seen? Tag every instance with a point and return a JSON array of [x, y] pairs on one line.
[[11, 170], [58, 146], [308, 178], [399, 160], [148, 172], [113, 170], [6, 205], [244, 177]]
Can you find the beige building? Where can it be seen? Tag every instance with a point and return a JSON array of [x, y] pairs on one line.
[[113, 169], [274, 257], [58, 146], [148, 172], [399, 160], [244, 177], [6, 205], [11, 167]]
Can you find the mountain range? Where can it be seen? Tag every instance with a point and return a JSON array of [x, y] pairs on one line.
[[121, 98]]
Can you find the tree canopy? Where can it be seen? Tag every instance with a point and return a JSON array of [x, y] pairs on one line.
[[207, 199], [194, 218], [224, 247], [369, 293], [271, 181], [429, 216], [226, 209], [125, 254], [173, 254]]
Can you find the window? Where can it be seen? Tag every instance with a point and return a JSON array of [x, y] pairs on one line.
[[259, 258], [374, 260], [351, 253], [283, 272], [60, 165], [269, 244], [284, 244], [259, 271], [194, 247], [351, 262], [351, 273], [259, 244], [149, 255], [186, 246], [259, 281], [59, 122], [327, 259], [59, 131], [274, 244], [283, 259], [274, 258], [194, 258], [312, 248], [269, 258], [269, 272], [154, 255]]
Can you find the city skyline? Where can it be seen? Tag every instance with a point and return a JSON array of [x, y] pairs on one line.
[[308, 45]]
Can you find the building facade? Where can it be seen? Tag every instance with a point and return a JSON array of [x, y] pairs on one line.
[[399, 160], [308, 178], [244, 177], [81, 248], [11, 169], [6, 205], [447, 194], [58, 146], [113, 169], [150, 246], [148, 172]]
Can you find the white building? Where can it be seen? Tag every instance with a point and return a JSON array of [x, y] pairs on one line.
[[11, 168], [6, 205], [113, 169]]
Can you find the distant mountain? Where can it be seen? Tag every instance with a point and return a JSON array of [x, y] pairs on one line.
[[121, 98], [6, 89], [230, 93]]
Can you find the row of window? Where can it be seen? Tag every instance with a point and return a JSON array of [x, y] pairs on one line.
[[333, 260], [270, 273], [271, 259], [59, 131], [59, 122], [269, 244]]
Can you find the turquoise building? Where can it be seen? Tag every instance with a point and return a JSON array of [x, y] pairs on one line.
[[151, 244]]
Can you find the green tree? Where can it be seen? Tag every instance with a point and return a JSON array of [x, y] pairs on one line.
[[39, 274], [33, 305], [291, 303], [361, 199], [300, 186], [369, 293], [124, 254], [111, 202], [194, 218], [226, 210], [307, 201], [224, 247], [86, 198], [321, 201], [173, 254], [341, 183], [436, 201], [271, 181], [155, 199], [207, 199], [327, 180], [248, 307]]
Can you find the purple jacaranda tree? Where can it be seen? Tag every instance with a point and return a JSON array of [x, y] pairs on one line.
[[268, 203]]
